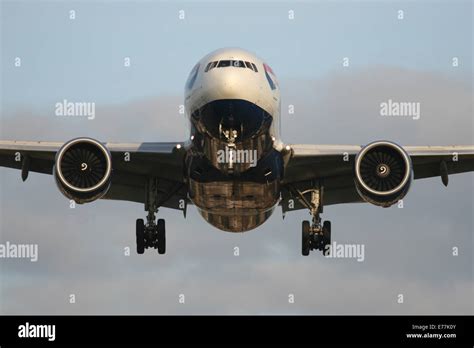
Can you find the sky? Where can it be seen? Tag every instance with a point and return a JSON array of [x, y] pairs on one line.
[[82, 251]]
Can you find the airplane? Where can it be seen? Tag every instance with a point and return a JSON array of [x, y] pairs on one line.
[[234, 167]]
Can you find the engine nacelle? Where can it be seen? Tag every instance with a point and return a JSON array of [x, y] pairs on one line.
[[383, 173], [83, 169]]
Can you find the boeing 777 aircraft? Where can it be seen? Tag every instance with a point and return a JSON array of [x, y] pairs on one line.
[[234, 167]]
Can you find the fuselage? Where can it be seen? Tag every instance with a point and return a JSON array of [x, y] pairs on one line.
[[234, 165]]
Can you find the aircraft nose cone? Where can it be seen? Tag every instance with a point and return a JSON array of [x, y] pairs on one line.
[[229, 85]]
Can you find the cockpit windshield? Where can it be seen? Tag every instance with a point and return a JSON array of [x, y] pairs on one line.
[[230, 63]]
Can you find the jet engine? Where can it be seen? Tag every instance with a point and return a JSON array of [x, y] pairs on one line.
[[383, 173], [83, 169]]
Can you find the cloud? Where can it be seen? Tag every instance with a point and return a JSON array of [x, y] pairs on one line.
[[148, 119], [344, 107]]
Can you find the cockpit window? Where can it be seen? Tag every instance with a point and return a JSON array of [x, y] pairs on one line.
[[230, 63], [238, 64], [224, 63], [210, 66]]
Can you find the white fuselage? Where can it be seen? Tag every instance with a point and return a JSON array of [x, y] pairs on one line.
[[232, 101], [234, 83]]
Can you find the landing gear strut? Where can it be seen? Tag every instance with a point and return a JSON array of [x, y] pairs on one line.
[[151, 234], [314, 235]]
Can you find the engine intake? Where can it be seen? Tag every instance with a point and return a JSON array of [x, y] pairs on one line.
[[83, 170], [383, 173]]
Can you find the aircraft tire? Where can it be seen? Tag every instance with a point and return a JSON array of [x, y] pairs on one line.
[[326, 235], [161, 230], [140, 233], [305, 238]]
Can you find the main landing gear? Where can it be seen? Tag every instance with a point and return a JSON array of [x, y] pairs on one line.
[[314, 235], [151, 234]]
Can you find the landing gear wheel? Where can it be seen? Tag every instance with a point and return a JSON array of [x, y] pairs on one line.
[[305, 238], [326, 236], [161, 236], [140, 232]]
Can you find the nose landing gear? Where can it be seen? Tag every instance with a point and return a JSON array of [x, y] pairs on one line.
[[151, 234], [314, 235]]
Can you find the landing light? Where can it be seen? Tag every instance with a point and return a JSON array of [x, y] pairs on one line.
[[178, 146]]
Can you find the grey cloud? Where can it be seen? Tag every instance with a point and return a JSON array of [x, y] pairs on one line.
[[344, 107]]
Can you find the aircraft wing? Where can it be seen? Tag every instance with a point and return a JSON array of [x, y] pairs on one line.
[[334, 166], [133, 164]]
